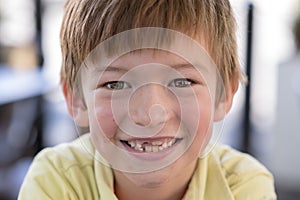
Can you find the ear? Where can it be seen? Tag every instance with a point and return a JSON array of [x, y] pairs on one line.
[[76, 106], [225, 103]]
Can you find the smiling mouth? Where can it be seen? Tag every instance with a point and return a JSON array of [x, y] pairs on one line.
[[152, 146]]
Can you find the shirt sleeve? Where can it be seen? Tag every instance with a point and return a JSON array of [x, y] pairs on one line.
[[45, 181], [247, 178], [252, 185]]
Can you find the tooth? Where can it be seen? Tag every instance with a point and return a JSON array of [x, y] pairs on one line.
[[140, 149], [148, 148], [165, 145], [155, 148], [132, 143], [157, 143], [171, 142]]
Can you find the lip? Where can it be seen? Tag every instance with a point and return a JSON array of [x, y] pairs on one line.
[[151, 156]]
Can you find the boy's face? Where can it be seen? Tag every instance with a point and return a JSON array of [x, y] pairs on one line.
[[150, 113]]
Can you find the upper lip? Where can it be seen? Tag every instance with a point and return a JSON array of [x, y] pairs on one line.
[[150, 139]]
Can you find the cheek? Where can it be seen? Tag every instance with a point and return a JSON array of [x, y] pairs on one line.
[[103, 120], [205, 108], [198, 120]]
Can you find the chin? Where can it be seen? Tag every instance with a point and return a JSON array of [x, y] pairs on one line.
[[150, 180]]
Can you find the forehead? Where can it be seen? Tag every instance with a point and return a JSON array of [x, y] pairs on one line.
[[147, 47], [150, 43], [152, 62], [147, 56]]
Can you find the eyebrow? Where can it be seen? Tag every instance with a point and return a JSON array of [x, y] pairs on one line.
[[120, 69], [110, 69], [183, 66], [190, 66]]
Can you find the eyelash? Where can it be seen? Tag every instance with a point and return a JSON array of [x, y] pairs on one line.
[[178, 83], [109, 85], [181, 80]]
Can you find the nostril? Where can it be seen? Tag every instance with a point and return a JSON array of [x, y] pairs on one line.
[[154, 116], [140, 117]]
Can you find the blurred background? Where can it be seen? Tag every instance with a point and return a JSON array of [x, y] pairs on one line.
[[264, 121]]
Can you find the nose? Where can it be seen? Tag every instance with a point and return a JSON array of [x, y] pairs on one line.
[[151, 105]]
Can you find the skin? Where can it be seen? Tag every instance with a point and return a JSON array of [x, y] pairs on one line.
[[149, 108]]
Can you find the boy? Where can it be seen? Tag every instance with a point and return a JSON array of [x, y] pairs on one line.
[[149, 79]]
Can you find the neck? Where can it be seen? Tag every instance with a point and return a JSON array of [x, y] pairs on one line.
[[172, 189], [161, 193]]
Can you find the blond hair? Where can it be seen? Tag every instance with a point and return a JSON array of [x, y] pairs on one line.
[[87, 23]]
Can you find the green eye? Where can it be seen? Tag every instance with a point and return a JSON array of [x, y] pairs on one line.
[[116, 85], [181, 82]]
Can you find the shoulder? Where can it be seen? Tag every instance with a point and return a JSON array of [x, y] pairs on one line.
[[235, 162], [77, 153], [62, 172], [247, 178]]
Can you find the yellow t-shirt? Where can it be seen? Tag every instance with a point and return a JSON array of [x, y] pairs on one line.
[[73, 171]]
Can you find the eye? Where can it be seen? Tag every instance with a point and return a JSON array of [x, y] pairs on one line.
[[116, 85], [181, 82]]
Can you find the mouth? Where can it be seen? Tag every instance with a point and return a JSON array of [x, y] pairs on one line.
[[150, 145]]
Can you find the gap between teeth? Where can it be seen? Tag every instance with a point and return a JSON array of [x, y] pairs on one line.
[[154, 146]]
